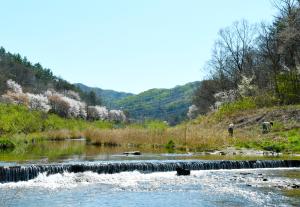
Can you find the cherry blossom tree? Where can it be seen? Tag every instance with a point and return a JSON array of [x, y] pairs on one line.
[[97, 113], [117, 115], [38, 102]]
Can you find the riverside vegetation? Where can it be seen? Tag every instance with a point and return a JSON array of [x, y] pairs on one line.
[[21, 128]]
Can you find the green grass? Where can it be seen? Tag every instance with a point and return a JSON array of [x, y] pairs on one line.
[[277, 141], [228, 109], [15, 119]]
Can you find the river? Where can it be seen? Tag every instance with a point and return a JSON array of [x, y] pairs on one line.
[[222, 187]]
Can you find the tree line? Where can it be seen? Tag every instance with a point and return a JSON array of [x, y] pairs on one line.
[[67, 104], [35, 78], [260, 61]]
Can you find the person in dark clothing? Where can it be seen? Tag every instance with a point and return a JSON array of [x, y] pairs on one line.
[[230, 129], [266, 127]]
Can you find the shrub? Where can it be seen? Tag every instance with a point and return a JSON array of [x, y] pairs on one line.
[[18, 119], [289, 87], [230, 108], [170, 144], [6, 144], [266, 100]]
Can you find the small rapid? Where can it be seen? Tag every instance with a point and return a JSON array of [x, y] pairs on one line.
[[236, 187], [28, 172]]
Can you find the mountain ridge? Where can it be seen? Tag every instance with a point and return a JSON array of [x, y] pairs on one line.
[[158, 103]]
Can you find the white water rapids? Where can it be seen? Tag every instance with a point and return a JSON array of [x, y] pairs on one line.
[[244, 187]]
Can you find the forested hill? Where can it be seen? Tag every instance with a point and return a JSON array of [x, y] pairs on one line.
[[34, 78], [108, 97], [165, 104]]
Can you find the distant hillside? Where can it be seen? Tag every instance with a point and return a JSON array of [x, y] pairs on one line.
[[165, 104], [32, 77], [108, 97]]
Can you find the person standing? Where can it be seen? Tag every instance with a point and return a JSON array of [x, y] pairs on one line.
[[230, 129], [266, 127]]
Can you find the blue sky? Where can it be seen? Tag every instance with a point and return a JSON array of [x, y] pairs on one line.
[[124, 45]]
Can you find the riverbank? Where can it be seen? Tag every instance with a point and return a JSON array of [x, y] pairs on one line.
[[21, 128]]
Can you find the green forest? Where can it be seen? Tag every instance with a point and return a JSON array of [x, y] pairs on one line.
[[169, 105]]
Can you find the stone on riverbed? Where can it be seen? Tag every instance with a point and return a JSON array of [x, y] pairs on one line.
[[132, 153], [182, 171]]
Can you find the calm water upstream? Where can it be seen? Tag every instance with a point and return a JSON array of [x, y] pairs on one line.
[[244, 187]]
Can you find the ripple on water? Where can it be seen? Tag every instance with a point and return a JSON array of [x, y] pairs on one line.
[[214, 187]]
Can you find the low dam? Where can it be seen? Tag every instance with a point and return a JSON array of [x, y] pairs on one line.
[[28, 172]]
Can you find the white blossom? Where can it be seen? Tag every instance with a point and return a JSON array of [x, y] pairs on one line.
[[246, 88], [38, 102], [72, 95], [192, 112], [66, 106], [97, 112], [223, 97], [77, 108], [14, 94], [15, 98], [13, 86], [117, 115]]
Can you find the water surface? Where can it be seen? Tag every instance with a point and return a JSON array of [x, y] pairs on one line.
[[246, 187], [77, 150], [202, 188]]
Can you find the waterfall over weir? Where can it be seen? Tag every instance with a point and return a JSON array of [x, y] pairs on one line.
[[28, 172]]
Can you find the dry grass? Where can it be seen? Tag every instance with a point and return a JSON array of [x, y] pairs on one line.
[[191, 136], [63, 134], [203, 133]]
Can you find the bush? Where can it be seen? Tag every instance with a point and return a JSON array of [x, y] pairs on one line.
[[266, 100], [19, 119], [289, 87], [274, 147], [230, 108], [170, 144], [6, 144]]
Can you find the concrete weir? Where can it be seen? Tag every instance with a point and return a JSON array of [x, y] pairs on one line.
[[28, 172]]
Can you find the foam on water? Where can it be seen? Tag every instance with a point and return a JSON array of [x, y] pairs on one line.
[[28, 172], [212, 182]]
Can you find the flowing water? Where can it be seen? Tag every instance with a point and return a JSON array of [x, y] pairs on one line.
[[203, 188], [105, 177]]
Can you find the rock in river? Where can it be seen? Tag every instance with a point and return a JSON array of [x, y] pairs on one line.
[[132, 153]]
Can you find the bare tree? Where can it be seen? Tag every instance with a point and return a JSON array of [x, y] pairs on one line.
[[237, 44], [233, 54]]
